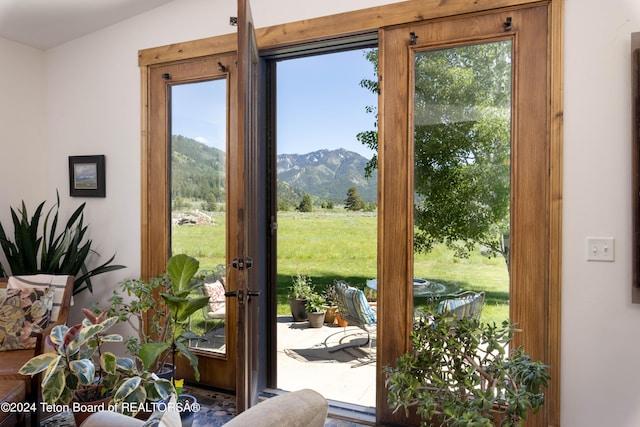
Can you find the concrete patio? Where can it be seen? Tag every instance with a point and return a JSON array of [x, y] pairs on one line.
[[329, 360]]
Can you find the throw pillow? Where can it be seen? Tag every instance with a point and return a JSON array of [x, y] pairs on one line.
[[215, 291], [23, 312], [42, 281]]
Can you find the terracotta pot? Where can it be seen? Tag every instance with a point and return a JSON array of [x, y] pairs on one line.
[[330, 314]]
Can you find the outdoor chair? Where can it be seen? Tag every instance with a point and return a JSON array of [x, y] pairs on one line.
[[355, 309], [465, 305]]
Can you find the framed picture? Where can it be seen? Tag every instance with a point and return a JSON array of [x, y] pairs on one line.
[[86, 176]]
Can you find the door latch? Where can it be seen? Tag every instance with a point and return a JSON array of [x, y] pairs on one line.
[[240, 263]]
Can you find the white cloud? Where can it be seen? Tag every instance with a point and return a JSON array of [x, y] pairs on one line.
[[201, 139]]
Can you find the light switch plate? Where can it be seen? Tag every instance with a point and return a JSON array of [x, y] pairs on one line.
[[600, 249]]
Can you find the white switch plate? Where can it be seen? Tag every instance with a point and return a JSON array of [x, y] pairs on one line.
[[600, 249]]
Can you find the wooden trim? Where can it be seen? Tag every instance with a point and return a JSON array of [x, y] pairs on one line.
[[327, 27], [556, 120]]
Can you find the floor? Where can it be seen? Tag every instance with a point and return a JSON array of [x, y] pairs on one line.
[[337, 362]]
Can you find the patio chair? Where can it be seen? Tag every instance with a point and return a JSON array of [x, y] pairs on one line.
[[215, 289], [354, 307], [465, 305]]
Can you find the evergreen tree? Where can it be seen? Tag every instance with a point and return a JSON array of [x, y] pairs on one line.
[[306, 205], [353, 202]]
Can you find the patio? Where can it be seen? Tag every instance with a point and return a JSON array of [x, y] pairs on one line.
[[328, 360]]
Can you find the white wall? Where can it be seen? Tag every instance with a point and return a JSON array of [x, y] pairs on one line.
[[600, 345], [22, 123], [92, 105]]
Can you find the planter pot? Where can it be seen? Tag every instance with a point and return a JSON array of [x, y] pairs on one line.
[[298, 310], [166, 371], [330, 314], [316, 319], [186, 403]]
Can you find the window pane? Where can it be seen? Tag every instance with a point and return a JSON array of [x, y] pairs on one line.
[[462, 136], [198, 196]]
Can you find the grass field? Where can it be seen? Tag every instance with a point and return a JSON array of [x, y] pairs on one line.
[[340, 245]]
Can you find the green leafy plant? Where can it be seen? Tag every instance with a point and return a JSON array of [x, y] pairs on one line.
[[301, 287], [140, 310], [330, 295], [182, 299], [63, 253], [315, 303], [460, 372], [80, 370]]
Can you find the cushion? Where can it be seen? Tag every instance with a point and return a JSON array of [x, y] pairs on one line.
[[43, 281], [354, 301], [215, 291], [23, 312]]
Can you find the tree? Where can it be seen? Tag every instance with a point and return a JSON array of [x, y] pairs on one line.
[[462, 146], [306, 205], [353, 202]]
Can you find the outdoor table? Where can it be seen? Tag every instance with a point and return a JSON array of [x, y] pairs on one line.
[[425, 288]]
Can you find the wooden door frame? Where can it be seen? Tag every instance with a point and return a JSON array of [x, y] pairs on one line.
[[362, 22], [530, 256], [156, 204]]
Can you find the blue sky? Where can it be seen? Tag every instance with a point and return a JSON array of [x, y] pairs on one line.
[[320, 104]]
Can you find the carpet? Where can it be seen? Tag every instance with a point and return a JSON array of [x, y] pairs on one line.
[[216, 410]]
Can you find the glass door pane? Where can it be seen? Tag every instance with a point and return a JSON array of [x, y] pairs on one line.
[[462, 179], [198, 150]]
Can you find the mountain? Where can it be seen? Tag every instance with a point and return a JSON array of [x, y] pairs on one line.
[[328, 174]]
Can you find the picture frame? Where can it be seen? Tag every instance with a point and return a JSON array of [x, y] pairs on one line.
[[87, 176]]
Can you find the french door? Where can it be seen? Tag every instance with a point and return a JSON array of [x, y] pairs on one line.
[[402, 122], [231, 362], [406, 30]]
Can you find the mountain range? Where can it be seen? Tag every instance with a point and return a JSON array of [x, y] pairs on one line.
[[325, 175]]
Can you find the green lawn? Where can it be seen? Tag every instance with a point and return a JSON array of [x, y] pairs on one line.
[[340, 245]]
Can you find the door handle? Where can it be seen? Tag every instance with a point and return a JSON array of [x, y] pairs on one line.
[[253, 293]]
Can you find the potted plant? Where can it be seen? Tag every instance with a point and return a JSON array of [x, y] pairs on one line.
[[142, 314], [460, 372], [80, 370], [315, 310], [331, 308], [299, 292], [182, 298], [37, 249]]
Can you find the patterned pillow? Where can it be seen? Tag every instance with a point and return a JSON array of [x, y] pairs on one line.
[[42, 281], [23, 312], [215, 291]]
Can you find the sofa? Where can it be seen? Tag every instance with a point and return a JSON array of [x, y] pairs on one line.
[[12, 358], [302, 408]]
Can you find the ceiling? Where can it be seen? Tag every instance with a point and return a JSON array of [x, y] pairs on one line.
[[47, 23]]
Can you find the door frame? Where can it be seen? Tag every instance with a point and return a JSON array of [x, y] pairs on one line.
[[365, 21]]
